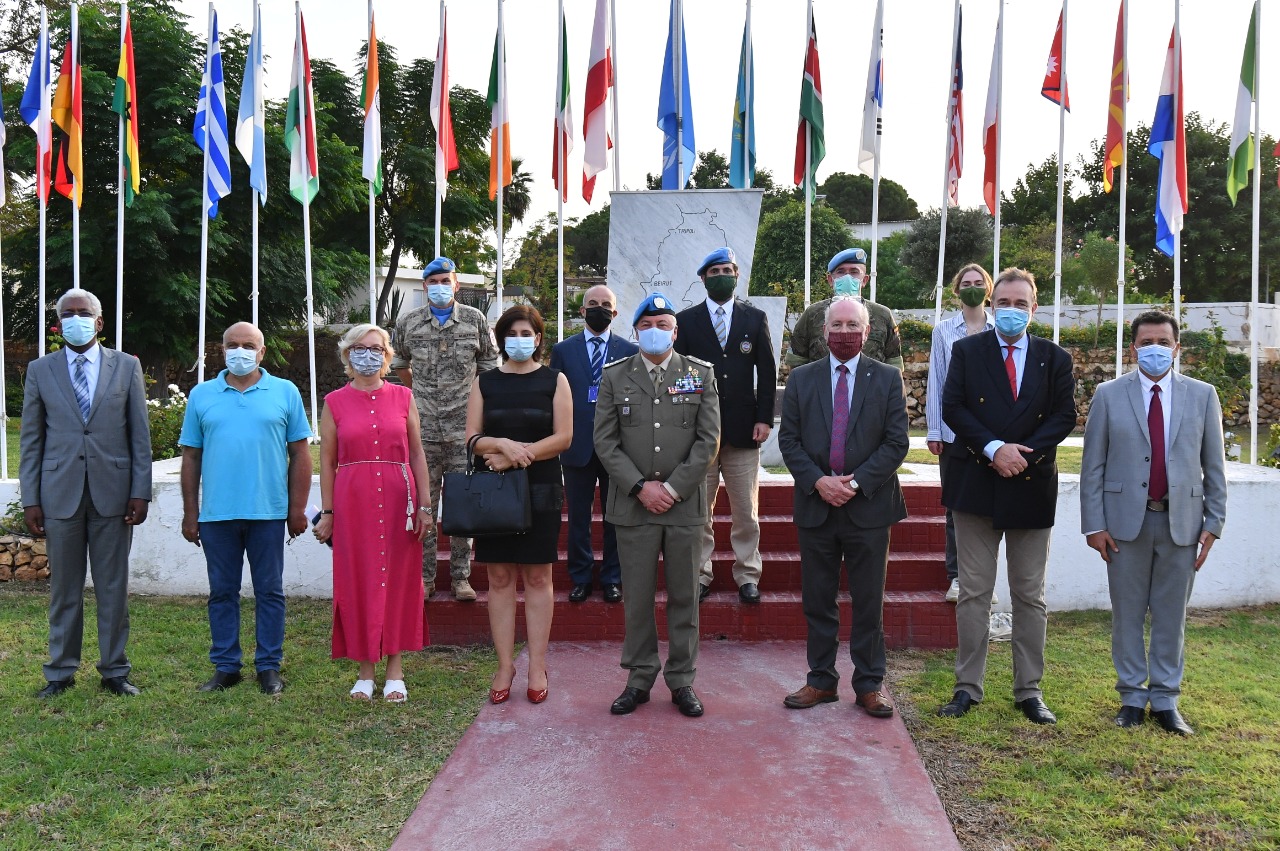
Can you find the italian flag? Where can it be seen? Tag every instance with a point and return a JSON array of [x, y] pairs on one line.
[[563, 138], [300, 125], [500, 122], [811, 124], [125, 104], [1241, 137], [372, 170]]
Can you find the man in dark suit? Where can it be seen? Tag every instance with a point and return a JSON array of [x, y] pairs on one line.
[[86, 482], [733, 336], [1010, 399], [843, 435], [582, 358]]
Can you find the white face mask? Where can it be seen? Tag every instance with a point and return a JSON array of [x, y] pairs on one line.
[[241, 361], [440, 295], [655, 341]]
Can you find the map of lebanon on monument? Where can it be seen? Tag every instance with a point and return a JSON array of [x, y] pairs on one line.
[[657, 240]]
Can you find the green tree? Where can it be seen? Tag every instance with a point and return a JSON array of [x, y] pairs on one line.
[[778, 268], [589, 239], [850, 196], [896, 285], [535, 269], [969, 240]]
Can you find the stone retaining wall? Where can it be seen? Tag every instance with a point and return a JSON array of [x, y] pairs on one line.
[[22, 559]]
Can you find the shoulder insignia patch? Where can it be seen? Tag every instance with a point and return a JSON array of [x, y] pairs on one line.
[[700, 361], [616, 362]]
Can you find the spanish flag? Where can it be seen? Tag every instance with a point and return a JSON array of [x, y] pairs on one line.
[[125, 104], [68, 116]]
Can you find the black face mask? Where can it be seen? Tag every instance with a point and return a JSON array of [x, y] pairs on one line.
[[599, 318]]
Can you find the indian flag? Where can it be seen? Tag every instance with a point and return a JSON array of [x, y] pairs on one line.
[[372, 171], [300, 124], [1241, 137], [125, 104], [500, 122]]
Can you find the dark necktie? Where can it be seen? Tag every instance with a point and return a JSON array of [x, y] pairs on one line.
[[80, 382], [597, 359], [1012, 369], [1159, 485], [839, 420]]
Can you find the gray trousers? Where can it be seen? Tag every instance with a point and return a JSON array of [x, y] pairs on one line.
[[1150, 573], [1027, 551], [681, 549], [87, 539]]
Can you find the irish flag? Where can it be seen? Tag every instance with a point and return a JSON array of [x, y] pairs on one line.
[[125, 104], [372, 170], [562, 143], [1241, 135], [300, 124], [500, 123]]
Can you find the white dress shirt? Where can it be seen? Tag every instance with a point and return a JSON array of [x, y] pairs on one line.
[[92, 366]]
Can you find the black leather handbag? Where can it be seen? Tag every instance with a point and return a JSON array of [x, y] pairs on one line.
[[479, 503]]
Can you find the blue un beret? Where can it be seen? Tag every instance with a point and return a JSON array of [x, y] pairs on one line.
[[849, 255], [718, 257], [655, 304], [440, 264]]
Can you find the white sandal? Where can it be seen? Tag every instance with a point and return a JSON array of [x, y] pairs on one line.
[[362, 690], [395, 687]]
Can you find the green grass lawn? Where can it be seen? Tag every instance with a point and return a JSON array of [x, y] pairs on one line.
[[177, 769], [1085, 784]]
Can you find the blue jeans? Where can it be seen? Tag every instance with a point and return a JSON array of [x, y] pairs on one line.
[[226, 543]]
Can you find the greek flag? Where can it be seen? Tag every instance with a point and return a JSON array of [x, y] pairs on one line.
[[211, 121]]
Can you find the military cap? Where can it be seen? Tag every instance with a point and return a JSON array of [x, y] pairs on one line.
[[849, 255], [655, 304], [717, 258], [440, 264]]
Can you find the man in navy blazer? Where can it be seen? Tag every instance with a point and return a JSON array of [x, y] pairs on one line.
[[581, 358], [1010, 399]]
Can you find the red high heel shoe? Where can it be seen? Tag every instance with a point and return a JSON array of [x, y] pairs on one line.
[[539, 696], [497, 696]]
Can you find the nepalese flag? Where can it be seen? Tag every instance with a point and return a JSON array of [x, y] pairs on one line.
[[873, 105], [499, 121], [562, 137], [372, 166], [211, 121], [441, 115], [125, 104], [595, 130], [1169, 145], [742, 159], [955, 127], [300, 125], [1116, 119], [35, 111], [811, 127], [991, 126], [676, 119], [251, 120], [1054, 86], [68, 116], [1241, 135]]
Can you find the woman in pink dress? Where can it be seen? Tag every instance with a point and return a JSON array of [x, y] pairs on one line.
[[370, 461]]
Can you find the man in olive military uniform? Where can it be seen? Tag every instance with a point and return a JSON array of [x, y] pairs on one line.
[[440, 348], [657, 429], [846, 272]]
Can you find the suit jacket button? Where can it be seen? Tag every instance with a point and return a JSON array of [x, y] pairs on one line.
[[1028, 478], [1144, 484], [657, 449], [981, 399], [1148, 460], [655, 425]]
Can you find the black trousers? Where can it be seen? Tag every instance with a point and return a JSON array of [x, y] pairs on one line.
[[579, 494], [865, 555]]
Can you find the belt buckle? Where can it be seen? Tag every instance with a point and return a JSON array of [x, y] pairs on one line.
[[1157, 505]]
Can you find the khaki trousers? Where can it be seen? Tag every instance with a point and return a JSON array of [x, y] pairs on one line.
[[638, 550], [1027, 551], [741, 471], [444, 458]]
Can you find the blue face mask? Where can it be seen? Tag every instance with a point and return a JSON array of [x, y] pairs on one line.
[[1011, 321], [1155, 359], [846, 285], [519, 349], [78, 330], [655, 341], [440, 295], [241, 361]]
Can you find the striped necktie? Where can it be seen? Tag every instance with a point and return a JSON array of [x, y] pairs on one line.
[[597, 359], [80, 382], [722, 330]]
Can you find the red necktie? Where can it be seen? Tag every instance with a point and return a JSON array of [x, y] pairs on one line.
[[1012, 369], [839, 421], [1159, 485]]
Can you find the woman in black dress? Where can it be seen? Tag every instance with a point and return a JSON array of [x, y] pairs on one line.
[[524, 414]]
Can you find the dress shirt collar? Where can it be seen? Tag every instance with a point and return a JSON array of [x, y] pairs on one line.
[[852, 363], [666, 362], [1166, 383], [589, 335], [1021, 343], [713, 306], [91, 354], [959, 322]]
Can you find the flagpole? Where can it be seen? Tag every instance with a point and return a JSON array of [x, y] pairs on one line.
[[1124, 189], [255, 203], [439, 151], [204, 215], [124, 16], [1179, 129], [946, 172], [1257, 204], [502, 119], [373, 236], [808, 175], [1062, 171], [77, 188], [561, 178], [613, 61], [4, 411], [304, 105], [995, 249], [748, 73], [875, 185], [45, 135], [677, 67]]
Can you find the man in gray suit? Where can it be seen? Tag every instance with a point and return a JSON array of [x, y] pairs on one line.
[[843, 435], [86, 482], [1153, 499]]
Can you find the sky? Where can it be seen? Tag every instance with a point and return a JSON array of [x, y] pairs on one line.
[[917, 51]]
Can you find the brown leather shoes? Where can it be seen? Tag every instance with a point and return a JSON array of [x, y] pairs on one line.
[[876, 703], [809, 697]]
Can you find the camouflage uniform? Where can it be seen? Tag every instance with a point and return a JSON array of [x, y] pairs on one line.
[[445, 360], [882, 342]]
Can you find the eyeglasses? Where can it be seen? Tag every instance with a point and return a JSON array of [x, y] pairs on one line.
[[364, 350]]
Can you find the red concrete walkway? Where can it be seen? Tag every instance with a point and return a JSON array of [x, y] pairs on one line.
[[748, 774]]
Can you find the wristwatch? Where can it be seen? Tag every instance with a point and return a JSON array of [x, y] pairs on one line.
[[637, 487], [853, 484], [425, 508]]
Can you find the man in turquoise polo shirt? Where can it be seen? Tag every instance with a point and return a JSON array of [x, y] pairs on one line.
[[245, 434]]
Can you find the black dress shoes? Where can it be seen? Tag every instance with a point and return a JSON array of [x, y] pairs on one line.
[[221, 680], [121, 686], [55, 687], [960, 704], [612, 592], [704, 591], [580, 592], [687, 701], [749, 593], [1036, 711], [1172, 722], [1130, 716], [629, 700], [269, 682]]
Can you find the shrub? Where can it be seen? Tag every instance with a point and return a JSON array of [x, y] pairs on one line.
[[166, 417]]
